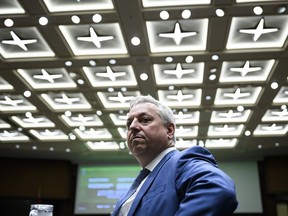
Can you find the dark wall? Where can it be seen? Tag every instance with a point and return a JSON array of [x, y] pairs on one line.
[[25, 181], [274, 178], [35, 178], [276, 175]]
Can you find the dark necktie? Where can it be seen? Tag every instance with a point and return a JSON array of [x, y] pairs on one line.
[[141, 176]]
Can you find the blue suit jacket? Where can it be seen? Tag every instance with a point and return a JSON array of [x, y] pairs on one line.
[[186, 183]]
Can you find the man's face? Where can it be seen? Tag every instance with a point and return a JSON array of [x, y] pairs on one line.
[[146, 135]]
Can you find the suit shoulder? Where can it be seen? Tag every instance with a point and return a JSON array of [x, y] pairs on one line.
[[198, 153]]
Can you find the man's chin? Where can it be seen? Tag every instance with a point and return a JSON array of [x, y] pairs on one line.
[[138, 149]]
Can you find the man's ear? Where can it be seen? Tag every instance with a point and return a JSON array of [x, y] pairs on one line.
[[170, 130]]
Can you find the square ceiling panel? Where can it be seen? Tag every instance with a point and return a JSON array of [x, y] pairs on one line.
[[4, 125], [177, 36], [258, 32], [11, 7], [119, 119], [52, 78], [186, 117], [278, 129], [275, 115], [245, 1], [221, 143], [226, 130], [4, 85], [12, 136], [239, 96], [66, 101], [82, 120], [180, 98], [110, 76], [230, 116], [100, 39], [179, 74], [87, 5], [93, 134], [123, 132], [102, 145], [15, 103], [248, 71], [185, 143], [32, 121], [49, 134], [26, 42], [186, 131], [282, 96], [117, 100], [167, 3]]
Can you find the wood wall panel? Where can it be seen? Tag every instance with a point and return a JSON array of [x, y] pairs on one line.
[[276, 174], [47, 179]]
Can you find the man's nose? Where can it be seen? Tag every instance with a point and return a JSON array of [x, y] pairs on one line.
[[134, 124]]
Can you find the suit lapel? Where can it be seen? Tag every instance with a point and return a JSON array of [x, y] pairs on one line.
[[118, 206], [148, 182]]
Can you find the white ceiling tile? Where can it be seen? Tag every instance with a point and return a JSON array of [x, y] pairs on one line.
[[15, 103], [66, 101], [87, 5], [278, 129], [245, 72], [93, 134], [181, 98], [239, 96], [11, 7], [26, 42], [173, 36], [257, 32], [55, 78], [100, 39], [86, 120], [12, 136], [49, 134], [178, 74], [33, 121], [110, 76], [221, 143]]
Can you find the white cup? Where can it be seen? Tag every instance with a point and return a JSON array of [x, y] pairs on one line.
[[41, 210]]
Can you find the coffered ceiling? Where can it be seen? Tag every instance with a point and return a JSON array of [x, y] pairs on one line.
[[69, 68]]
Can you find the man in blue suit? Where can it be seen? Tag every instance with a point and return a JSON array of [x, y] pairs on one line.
[[186, 183]]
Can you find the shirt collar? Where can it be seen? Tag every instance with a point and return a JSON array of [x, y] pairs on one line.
[[156, 160]]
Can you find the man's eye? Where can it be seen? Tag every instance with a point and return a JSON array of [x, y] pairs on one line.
[[128, 124], [145, 120]]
